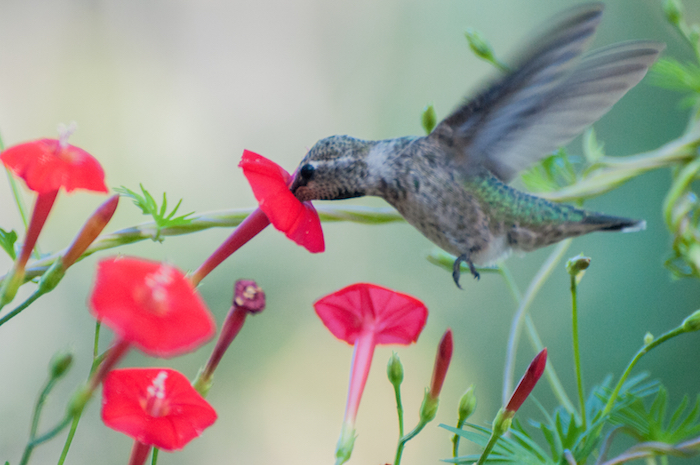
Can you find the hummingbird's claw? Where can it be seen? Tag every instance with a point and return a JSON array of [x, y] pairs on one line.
[[456, 268]]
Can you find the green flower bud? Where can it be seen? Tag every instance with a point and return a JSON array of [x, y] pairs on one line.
[[428, 408], [692, 322], [60, 363], [394, 370], [479, 44], [673, 10], [428, 118], [467, 404], [648, 338], [577, 264]]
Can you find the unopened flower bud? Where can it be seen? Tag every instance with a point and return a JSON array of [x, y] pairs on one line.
[[60, 363], [577, 264], [673, 10], [428, 119], [394, 370], [648, 338], [692, 322], [479, 44], [467, 405]]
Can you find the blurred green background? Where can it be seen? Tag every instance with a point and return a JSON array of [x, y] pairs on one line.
[[169, 93]]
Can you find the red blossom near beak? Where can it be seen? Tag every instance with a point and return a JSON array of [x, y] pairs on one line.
[[151, 305], [270, 183], [155, 406], [527, 382], [366, 315], [46, 165]]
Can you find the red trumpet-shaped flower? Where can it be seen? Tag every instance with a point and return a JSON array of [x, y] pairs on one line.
[[270, 183], [155, 406], [150, 304], [46, 165], [366, 315]]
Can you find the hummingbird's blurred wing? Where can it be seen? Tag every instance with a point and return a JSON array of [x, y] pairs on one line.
[[550, 97]]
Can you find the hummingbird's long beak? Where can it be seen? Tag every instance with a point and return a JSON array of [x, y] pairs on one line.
[[296, 181]]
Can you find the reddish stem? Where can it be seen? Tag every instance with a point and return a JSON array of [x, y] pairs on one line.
[[116, 352], [249, 228], [42, 207], [139, 453], [232, 325]]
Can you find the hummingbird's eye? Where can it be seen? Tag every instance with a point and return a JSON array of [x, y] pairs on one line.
[[307, 171]]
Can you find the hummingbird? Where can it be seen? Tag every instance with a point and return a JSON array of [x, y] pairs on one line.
[[452, 185]]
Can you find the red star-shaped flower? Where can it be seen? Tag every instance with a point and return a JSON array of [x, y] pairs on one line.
[[151, 305], [270, 183], [49, 164], [155, 406]]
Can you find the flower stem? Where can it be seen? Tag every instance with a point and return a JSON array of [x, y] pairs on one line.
[[96, 359], [516, 328], [405, 439], [399, 408], [577, 355], [35, 295], [640, 353]]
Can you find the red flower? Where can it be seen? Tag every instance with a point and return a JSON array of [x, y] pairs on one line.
[[366, 315], [527, 382], [151, 305], [155, 406], [49, 164], [46, 165], [270, 183], [393, 317]]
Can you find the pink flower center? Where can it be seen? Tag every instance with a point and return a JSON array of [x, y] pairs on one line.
[[155, 404], [153, 295]]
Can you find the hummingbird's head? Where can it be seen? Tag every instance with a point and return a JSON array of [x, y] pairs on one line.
[[335, 168]]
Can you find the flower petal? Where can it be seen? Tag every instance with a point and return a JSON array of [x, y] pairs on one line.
[[270, 183], [128, 398], [151, 305], [395, 318], [46, 166]]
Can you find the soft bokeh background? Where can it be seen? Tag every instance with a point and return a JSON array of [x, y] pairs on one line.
[[169, 93]]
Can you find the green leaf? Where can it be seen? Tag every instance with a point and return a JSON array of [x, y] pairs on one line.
[[551, 173], [651, 425], [7, 242], [148, 206], [674, 75]]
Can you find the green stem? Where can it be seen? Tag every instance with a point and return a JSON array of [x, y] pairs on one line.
[[577, 355], [405, 439], [38, 293], [96, 360], [489, 447], [656, 342], [517, 324], [229, 218], [399, 408], [69, 439], [455, 439], [154, 456]]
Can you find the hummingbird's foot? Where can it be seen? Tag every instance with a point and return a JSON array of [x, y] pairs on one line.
[[456, 268]]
